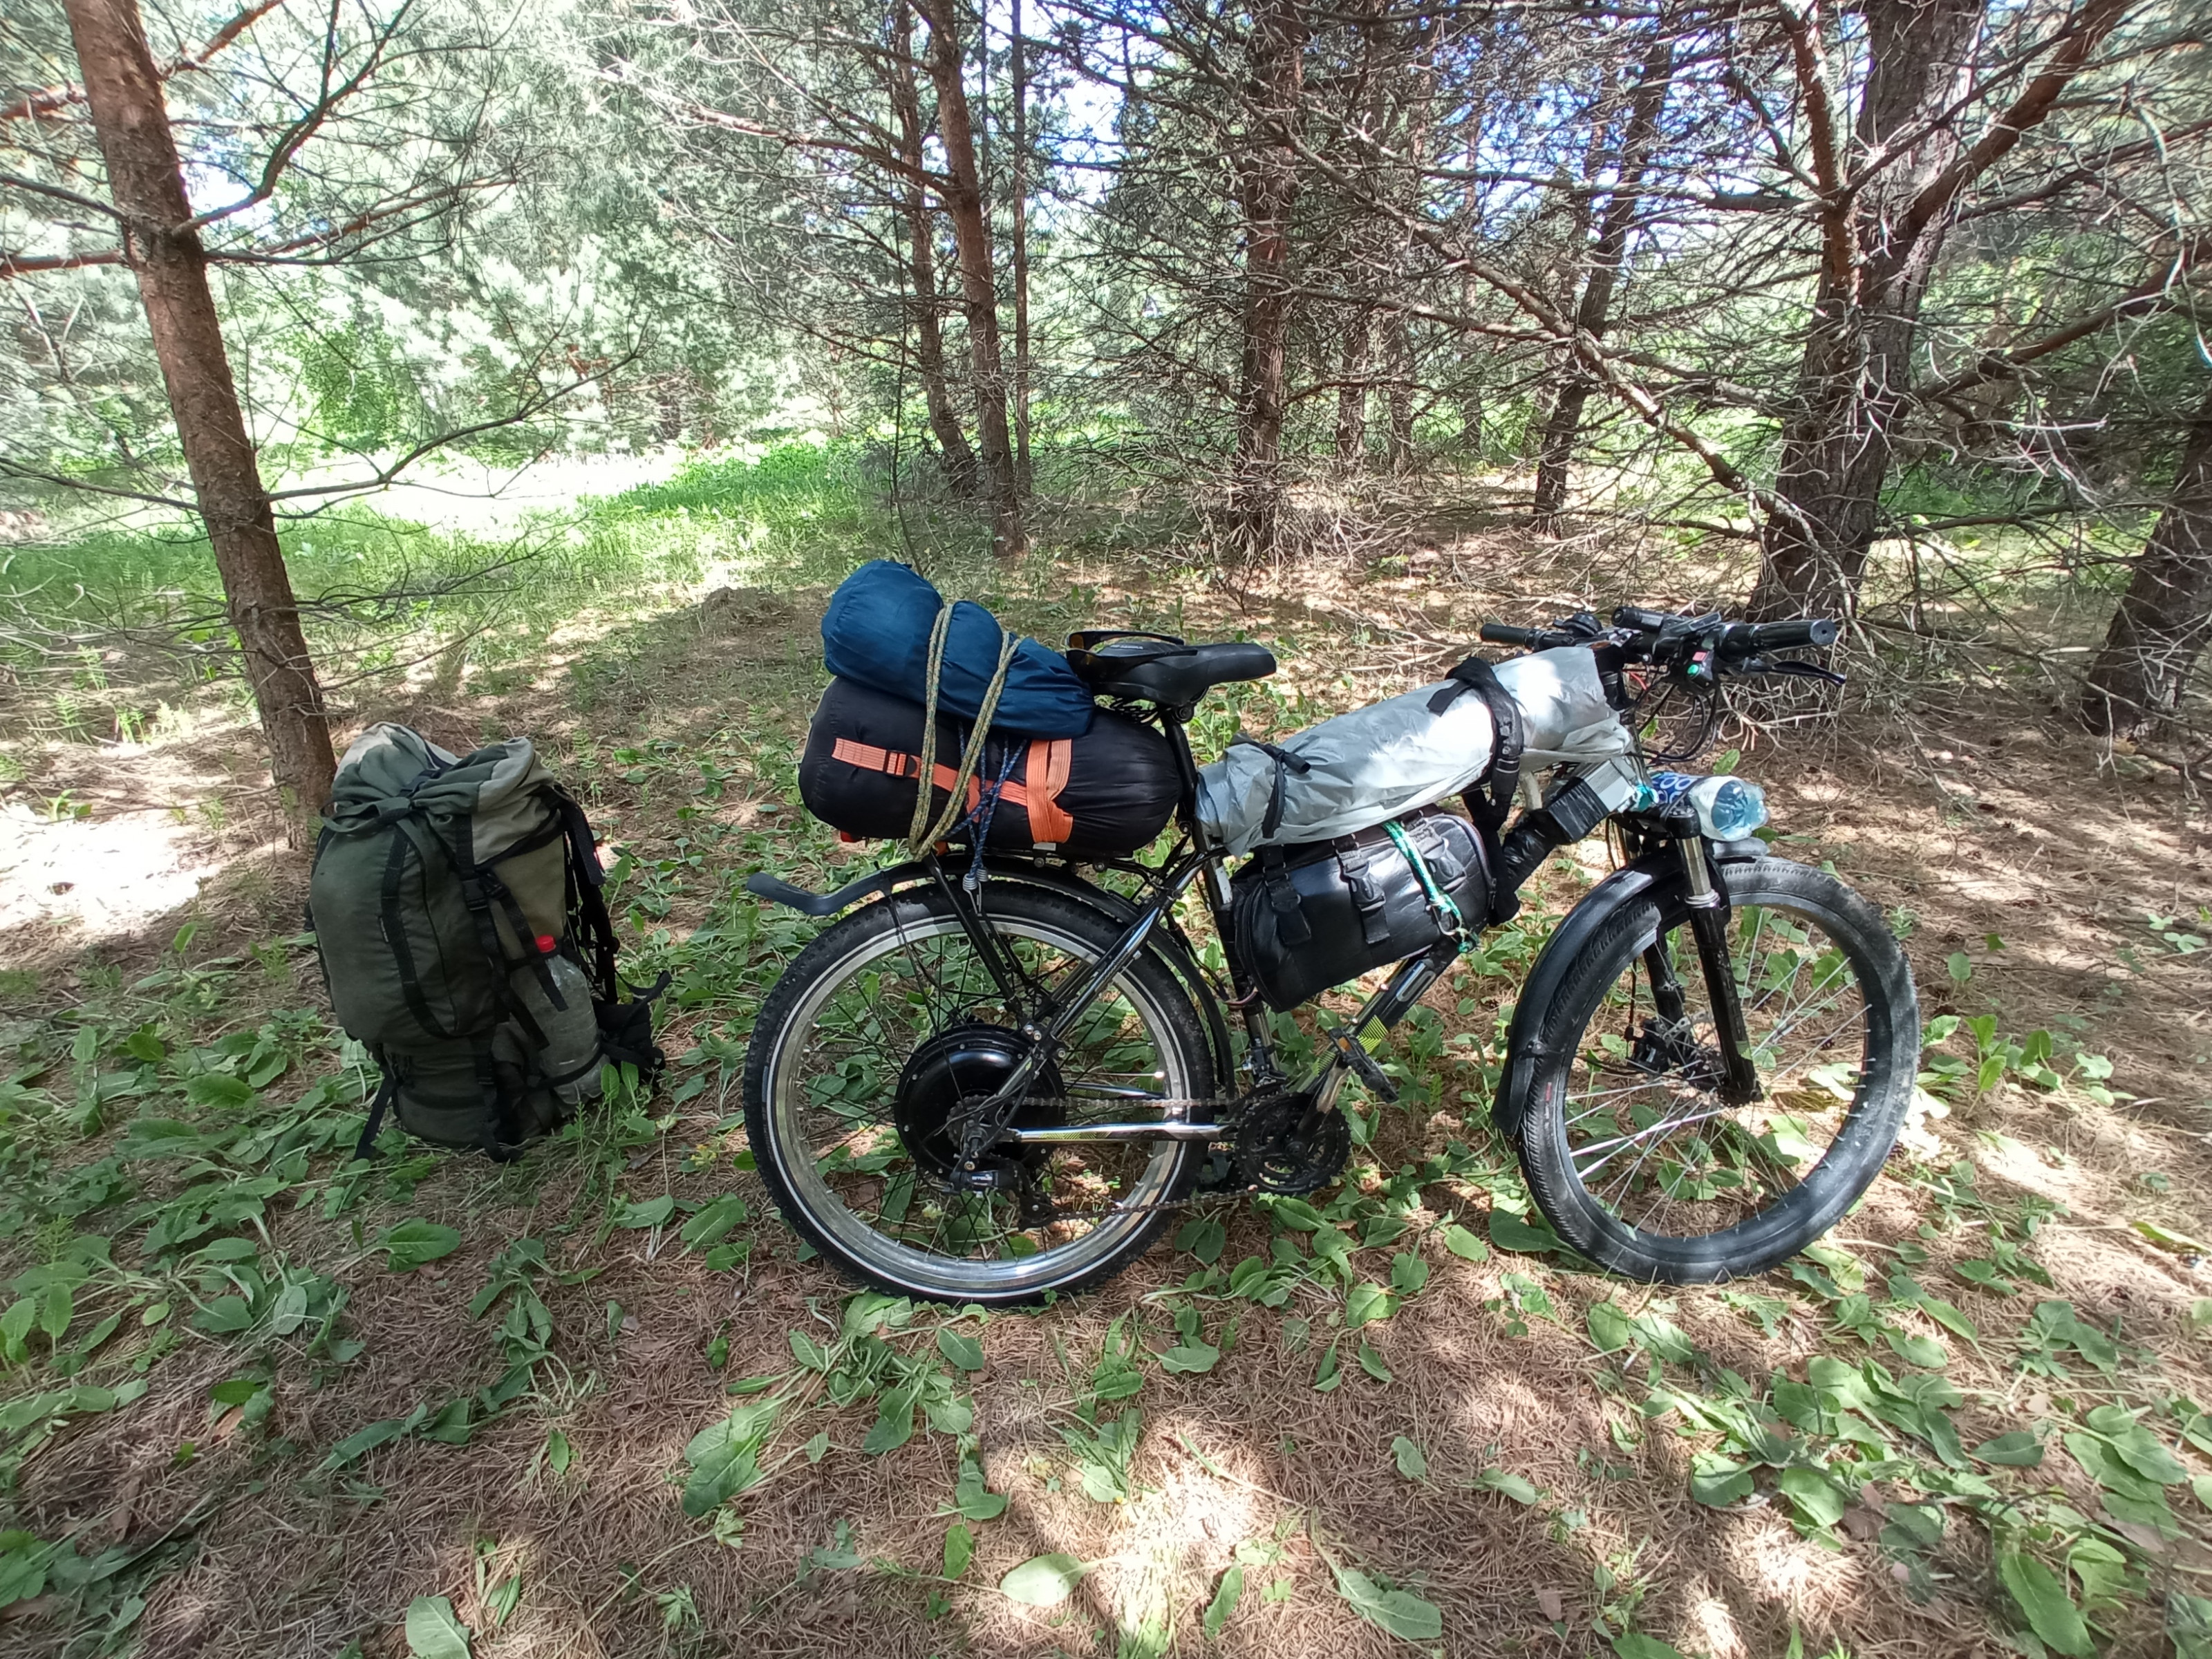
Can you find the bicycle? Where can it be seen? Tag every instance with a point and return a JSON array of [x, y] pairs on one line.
[[995, 1083]]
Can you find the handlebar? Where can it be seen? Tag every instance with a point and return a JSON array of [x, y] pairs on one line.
[[1530, 639], [1668, 641]]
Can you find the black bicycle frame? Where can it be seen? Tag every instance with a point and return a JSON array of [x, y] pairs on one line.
[[1196, 858]]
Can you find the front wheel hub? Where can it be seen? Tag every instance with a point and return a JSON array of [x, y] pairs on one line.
[[947, 1078]]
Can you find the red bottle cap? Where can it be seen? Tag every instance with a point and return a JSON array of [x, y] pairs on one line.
[[546, 943]]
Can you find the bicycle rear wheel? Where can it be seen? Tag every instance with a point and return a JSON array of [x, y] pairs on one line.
[[882, 1027], [1629, 1148]]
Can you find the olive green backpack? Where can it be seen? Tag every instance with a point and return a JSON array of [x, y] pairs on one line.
[[456, 907]]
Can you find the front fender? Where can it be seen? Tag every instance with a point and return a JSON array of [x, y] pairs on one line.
[[1656, 872]]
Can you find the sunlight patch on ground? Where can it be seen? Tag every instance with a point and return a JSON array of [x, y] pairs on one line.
[[102, 877]]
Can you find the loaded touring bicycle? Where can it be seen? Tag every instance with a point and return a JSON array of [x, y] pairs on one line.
[[993, 1078]]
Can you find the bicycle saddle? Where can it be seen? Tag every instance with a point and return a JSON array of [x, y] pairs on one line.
[[1160, 668]]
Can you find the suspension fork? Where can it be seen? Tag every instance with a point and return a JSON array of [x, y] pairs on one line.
[[1708, 921]]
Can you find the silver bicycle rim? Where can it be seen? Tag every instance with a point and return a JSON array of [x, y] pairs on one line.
[[1812, 1040], [949, 1277]]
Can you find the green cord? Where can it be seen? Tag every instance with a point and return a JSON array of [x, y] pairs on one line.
[[1439, 900]]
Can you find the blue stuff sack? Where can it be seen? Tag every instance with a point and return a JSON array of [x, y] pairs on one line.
[[877, 631]]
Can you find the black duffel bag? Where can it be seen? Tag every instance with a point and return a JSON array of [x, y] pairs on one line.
[[1313, 916], [1103, 794]]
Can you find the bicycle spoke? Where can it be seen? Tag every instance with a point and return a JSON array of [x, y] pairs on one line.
[[1665, 1153]]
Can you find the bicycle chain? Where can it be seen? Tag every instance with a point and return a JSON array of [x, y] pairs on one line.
[[1245, 1107]]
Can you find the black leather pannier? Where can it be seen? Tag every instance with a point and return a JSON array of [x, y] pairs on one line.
[[1103, 794], [1313, 916]]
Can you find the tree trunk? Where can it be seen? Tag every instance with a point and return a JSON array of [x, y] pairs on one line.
[[1397, 373], [1268, 186], [1858, 361], [922, 232], [2165, 618], [123, 90], [1352, 391], [1556, 446], [1021, 231], [971, 236]]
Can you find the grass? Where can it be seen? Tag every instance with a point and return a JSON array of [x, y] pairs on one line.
[[261, 1399]]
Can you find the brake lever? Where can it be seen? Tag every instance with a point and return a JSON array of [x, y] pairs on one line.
[[1802, 671]]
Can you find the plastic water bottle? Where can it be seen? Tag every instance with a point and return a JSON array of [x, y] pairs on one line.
[[572, 1052]]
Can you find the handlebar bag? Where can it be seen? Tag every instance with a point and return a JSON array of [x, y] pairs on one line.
[[876, 631], [1373, 764], [1103, 794], [1306, 918]]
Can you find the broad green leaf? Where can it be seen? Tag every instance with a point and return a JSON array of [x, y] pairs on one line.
[[1409, 1273], [2019, 1449], [1327, 1375], [362, 1442], [1372, 1364], [1719, 1481], [1204, 1238], [959, 1549], [809, 1352], [972, 1499], [434, 1631], [23, 1561], [1506, 1484], [1190, 1358], [894, 1424], [1464, 1244], [1365, 1302], [1609, 1328], [714, 1222], [1510, 1232], [724, 1457], [218, 1089], [1401, 1612], [1816, 1498], [414, 1242], [56, 1312], [1043, 1581], [651, 1213], [2042, 1595], [1413, 1462], [1632, 1645], [963, 1351], [1226, 1595], [559, 1454], [1295, 1214]]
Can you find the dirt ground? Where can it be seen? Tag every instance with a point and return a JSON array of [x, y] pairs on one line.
[[2026, 868]]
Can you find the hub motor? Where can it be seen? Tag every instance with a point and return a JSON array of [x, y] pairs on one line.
[[949, 1077]]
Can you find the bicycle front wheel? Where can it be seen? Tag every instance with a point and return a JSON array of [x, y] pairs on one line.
[[1629, 1147], [890, 1025]]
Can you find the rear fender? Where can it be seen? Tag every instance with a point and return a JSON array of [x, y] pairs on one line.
[[1165, 945]]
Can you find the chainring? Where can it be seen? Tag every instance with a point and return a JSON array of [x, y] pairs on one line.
[[1274, 1158]]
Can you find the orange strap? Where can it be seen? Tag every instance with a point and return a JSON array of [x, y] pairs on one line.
[[1049, 761], [1047, 769]]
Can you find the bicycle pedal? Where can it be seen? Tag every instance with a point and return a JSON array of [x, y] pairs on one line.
[[1354, 1053]]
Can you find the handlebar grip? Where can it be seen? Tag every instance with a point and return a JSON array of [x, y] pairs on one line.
[[1499, 633], [1792, 635]]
